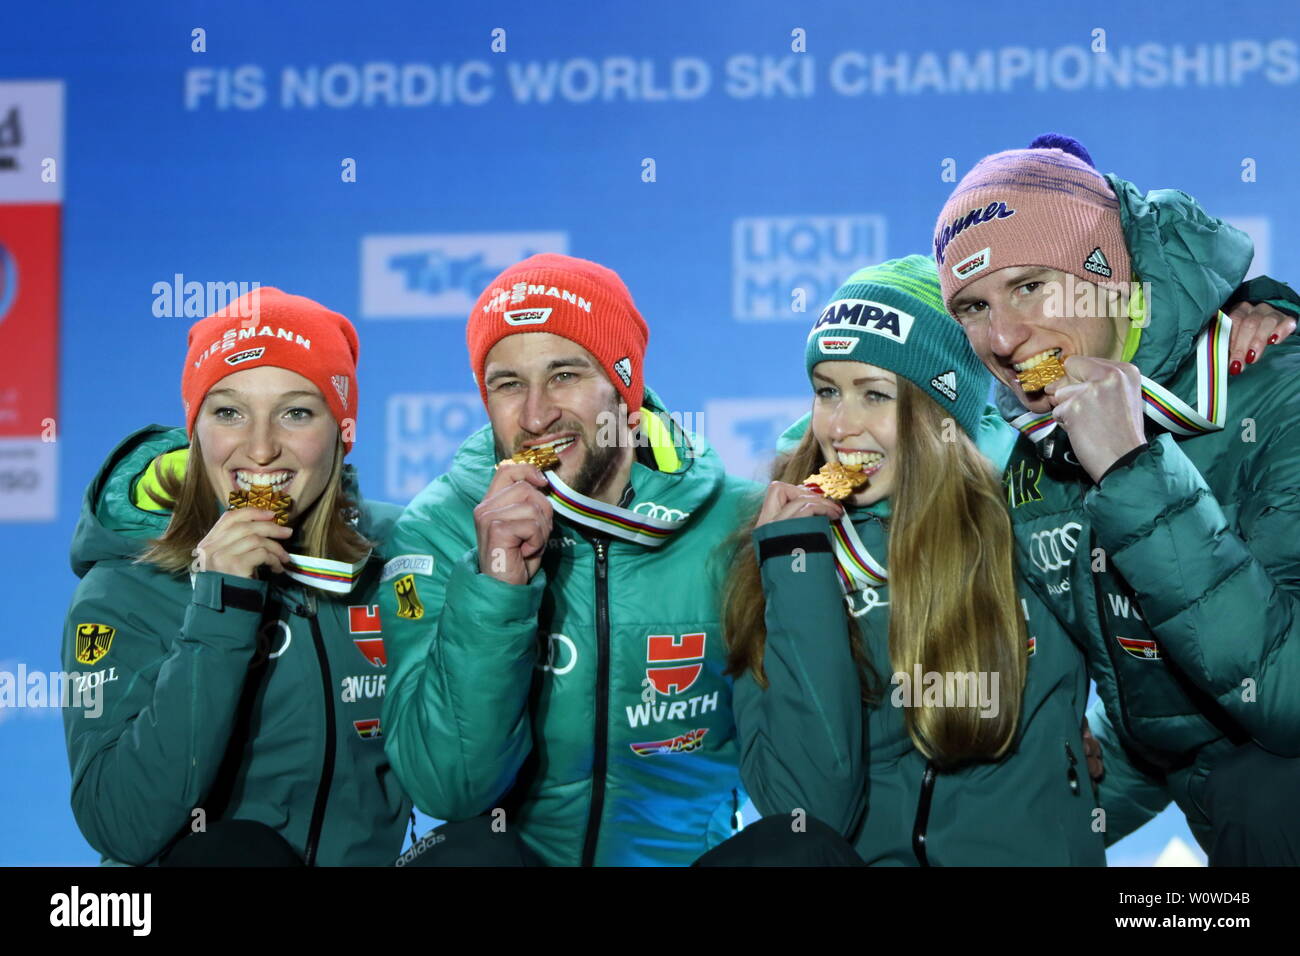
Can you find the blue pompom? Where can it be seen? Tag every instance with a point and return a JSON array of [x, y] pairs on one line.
[[1063, 142]]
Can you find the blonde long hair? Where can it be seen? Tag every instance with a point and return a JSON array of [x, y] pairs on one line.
[[325, 530], [953, 607]]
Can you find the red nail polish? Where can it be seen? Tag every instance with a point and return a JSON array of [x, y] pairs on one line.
[[1272, 339], [1250, 356], [1235, 368]]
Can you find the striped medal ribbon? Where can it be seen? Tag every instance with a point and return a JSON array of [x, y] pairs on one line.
[[337, 577], [609, 519], [854, 565], [1164, 407]]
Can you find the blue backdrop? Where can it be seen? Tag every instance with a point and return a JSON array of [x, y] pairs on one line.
[[388, 158]]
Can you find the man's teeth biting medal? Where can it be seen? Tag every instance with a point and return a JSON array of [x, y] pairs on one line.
[[1041, 375]]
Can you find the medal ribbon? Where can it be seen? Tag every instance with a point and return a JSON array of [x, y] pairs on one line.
[[337, 577], [855, 566], [609, 519], [1164, 407]]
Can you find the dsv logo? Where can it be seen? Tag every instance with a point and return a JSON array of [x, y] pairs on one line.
[[661, 512], [1053, 550], [558, 655]]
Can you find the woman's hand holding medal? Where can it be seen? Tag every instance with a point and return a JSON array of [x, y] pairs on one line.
[[785, 501], [242, 540]]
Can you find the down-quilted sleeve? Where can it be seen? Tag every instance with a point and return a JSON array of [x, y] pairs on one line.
[[1223, 597]]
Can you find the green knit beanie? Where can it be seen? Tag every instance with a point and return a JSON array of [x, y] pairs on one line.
[[891, 315]]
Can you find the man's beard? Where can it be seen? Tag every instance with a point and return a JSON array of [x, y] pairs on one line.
[[599, 464]]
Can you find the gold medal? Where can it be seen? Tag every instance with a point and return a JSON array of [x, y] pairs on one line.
[[837, 481], [541, 458], [1041, 375], [266, 497]]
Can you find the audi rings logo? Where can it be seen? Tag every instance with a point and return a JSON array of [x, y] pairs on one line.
[[1053, 550], [660, 512], [560, 655]]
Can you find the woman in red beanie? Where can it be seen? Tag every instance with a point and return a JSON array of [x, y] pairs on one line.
[[226, 629]]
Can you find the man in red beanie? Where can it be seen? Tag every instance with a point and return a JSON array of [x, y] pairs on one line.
[[556, 648], [1153, 492]]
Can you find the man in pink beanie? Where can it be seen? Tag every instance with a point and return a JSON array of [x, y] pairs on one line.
[[1153, 493]]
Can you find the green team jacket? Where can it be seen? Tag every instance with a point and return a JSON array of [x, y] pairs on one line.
[[1180, 572], [249, 700], [590, 703], [809, 743]]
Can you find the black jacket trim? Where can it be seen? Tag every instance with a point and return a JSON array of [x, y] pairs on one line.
[[1126, 459], [785, 545]]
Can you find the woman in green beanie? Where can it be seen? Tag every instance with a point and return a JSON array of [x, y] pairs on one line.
[[894, 680]]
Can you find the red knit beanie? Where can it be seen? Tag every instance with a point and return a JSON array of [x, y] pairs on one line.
[[270, 327], [1031, 207], [582, 301]]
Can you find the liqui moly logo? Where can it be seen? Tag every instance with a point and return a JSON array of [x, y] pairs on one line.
[[783, 265]]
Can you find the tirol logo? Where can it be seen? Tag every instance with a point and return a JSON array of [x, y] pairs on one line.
[[783, 265], [836, 344], [976, 217], [363, 620], [681, 744], [624, 369], [11, 137], [976, 262], [664, 648], [31, 147], [946, 384], [526, 316], [864, 315], [440, 275], [744, 430], [245, 356]]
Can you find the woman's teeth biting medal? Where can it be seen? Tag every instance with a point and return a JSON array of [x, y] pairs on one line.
[[837, 481], [266, 497]]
